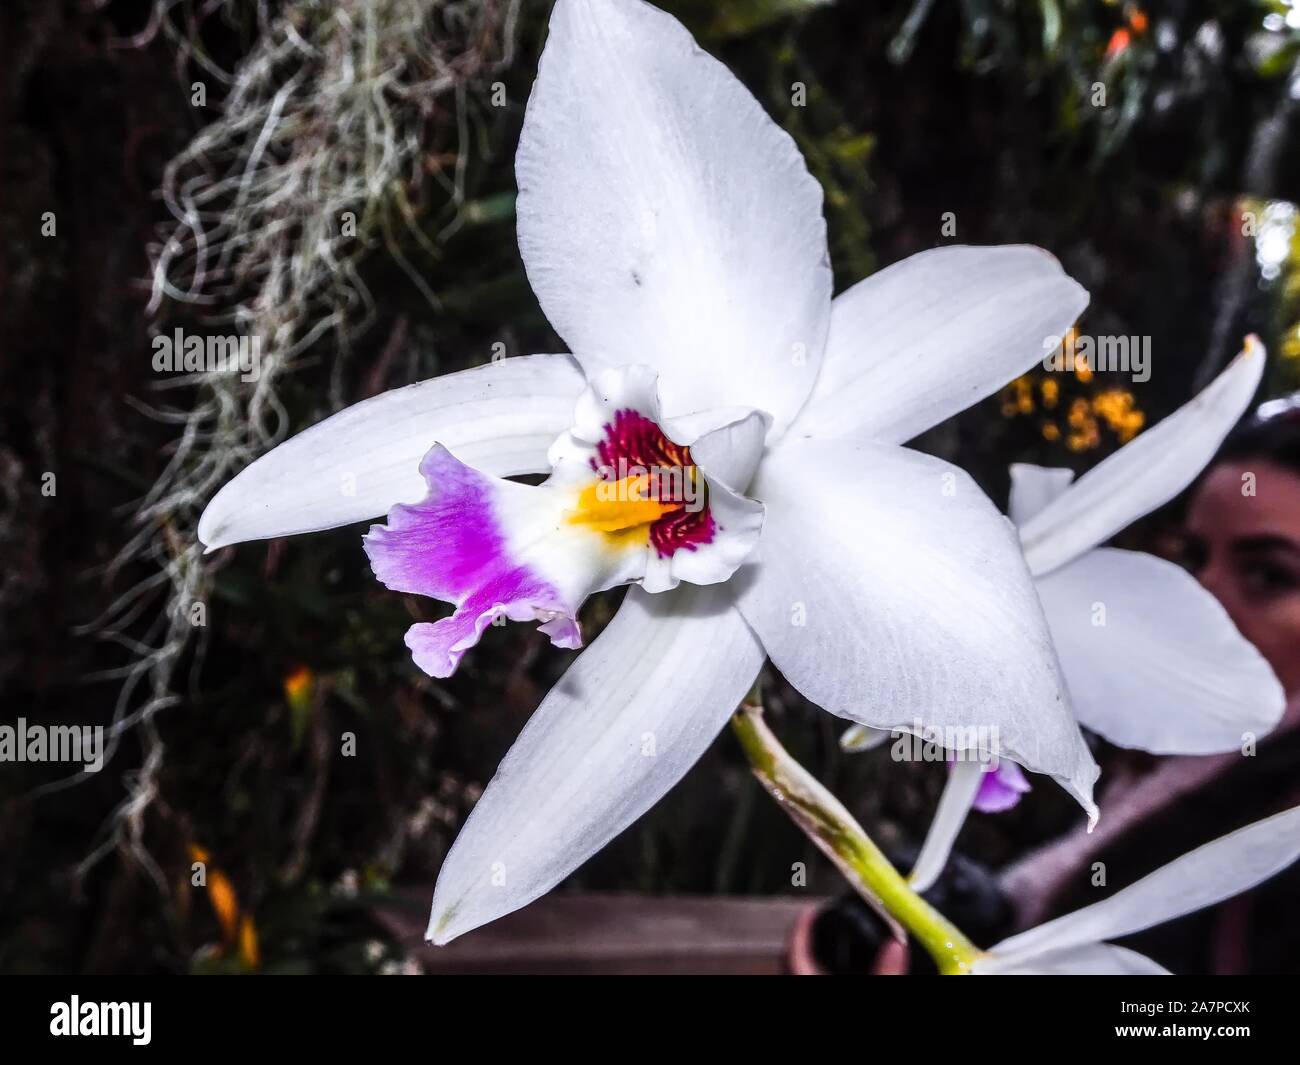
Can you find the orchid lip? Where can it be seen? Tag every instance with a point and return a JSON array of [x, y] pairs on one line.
[[625, 504], [646, 485]]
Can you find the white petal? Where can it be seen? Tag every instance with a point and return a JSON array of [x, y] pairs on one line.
[[688, 428], [1093, 959], [890, 591], [924, 339], [1146, 472], [959, 792], [730, 453], [1152, 659], [621, 727], [665, 219], [357, 464], [858, 738], [1033, 487], [1209, 874]]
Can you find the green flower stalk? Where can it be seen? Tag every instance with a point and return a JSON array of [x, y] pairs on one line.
[[833, 829]]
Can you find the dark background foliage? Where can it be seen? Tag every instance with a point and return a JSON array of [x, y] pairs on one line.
[[982, 110]]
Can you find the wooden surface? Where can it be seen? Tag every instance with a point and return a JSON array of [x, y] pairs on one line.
[[611, 934]]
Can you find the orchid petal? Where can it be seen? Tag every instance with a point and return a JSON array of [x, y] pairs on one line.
[[731, 452], [1152, 659], [1146, 472], [499, 418], [922, 340], [1033, 487], [858, 738], [1002, 788], [958, 796], [664, 218], [970, 786], [688, 428], [622, 726], [890, 591], [1216, 871], [1092, 959]]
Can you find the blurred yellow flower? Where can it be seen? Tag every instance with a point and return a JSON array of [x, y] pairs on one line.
[[236, 928], [1084, 432], [1290, 347], [249, 950], [298, 687], [1117, 407], [1018, 398]]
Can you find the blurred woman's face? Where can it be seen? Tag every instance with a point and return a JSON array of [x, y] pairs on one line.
[[1245, 549]]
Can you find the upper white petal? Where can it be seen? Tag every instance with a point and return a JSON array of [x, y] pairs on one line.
[[1209, 874], [1033, 487], [924, 339], [632, 714], [889, 590], [665, 219], [1152, 659], [1146, 472], [1091, 959], [359, 463]]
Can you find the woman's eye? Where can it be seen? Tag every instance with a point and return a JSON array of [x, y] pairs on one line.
[[1269, 578], [1191, 554]]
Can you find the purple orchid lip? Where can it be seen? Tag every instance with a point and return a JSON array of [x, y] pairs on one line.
[[624, 504], [1001, 788], [1002, 784], [450, 546]]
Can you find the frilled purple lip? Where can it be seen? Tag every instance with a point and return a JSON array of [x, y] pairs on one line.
[[624, 504], [1000, 789], [1001, 785], [450, 546]]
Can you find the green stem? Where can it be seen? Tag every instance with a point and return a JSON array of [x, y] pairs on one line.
[[837, 835]]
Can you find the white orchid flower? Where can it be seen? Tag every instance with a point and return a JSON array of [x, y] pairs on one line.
[[1152, 660], [675, 239], [1076, 943]]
